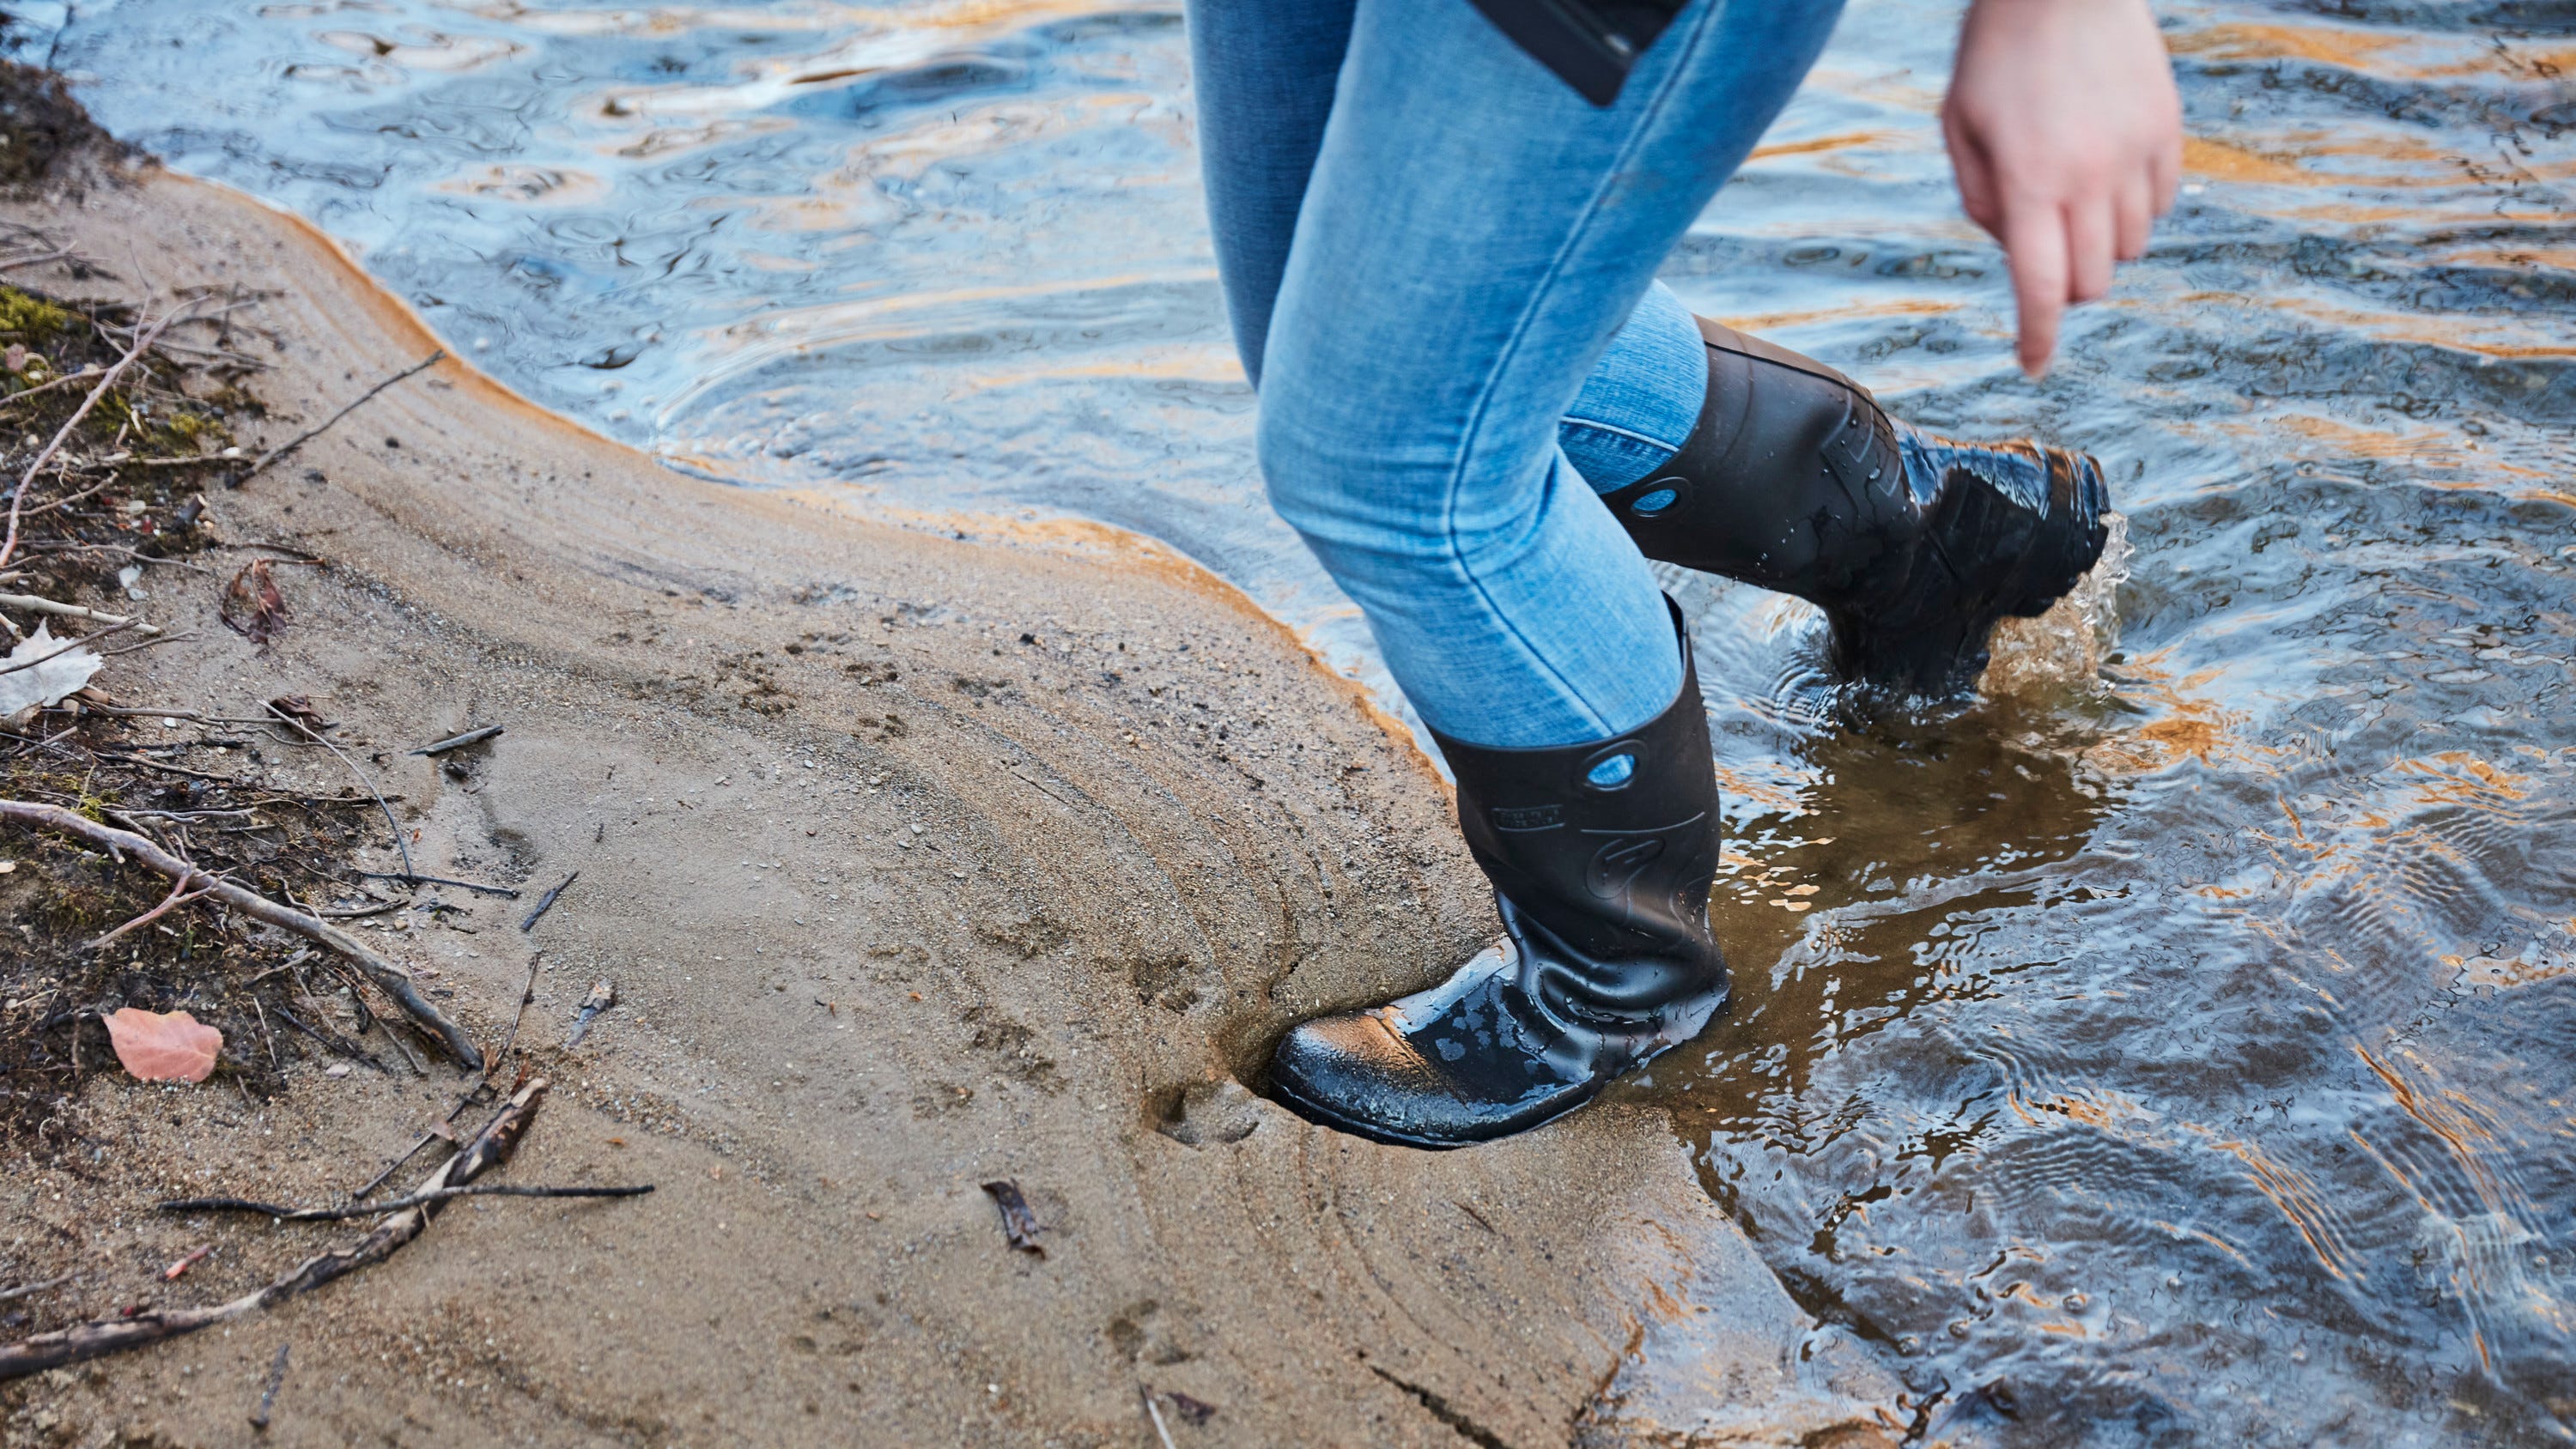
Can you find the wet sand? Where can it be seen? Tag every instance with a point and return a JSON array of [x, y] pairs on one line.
[[917, 863]]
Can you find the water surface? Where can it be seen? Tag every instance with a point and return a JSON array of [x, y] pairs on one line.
[[2184, 1055]]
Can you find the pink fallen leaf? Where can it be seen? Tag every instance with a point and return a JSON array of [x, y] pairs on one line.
[[154, 1047]]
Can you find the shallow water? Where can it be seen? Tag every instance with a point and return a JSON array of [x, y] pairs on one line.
[[2182, 1055]]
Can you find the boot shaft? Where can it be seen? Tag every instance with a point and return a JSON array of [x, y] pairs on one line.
[[1602, 851], [1795, 479], [1792, 478]]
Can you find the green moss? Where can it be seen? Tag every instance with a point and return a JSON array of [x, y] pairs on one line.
[[158, 433], [186, 433], [32, 319]]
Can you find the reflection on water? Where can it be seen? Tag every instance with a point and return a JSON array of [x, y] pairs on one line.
[[2183, 1056]]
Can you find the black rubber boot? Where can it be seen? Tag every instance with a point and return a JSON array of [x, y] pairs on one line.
[[1796, 480], [1601, 857]]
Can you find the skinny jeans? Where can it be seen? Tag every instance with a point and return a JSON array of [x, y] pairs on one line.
[[1439, 265]]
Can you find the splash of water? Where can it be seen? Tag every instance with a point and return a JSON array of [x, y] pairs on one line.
[[2063, 649]]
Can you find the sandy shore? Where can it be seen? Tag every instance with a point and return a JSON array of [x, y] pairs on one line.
[[917, 863]]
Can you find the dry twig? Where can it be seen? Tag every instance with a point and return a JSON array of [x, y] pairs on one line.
[[527, 995], [546, 903], [30, 1290], [363, 1209], [179, 895], [268, 1391], [35, 604], [68, 647], [408, 878], [17, 501], [318, 429], [300, 727], [489, 1148], [458, 742]]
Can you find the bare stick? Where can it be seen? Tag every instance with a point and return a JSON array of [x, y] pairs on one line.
[[527, 994], [146, 644], [331, 1041], [395, 980], [30, 1290], [1151, 1412], [18, 500], [66, 380], [546, 903], [124, 759], [179, 895], [90, 492], [318, 429], [268, 1036], [268, 1391], [67, 648], [458, 742], [366, 1209], [114, 711], [400, 845], [487, 1150], [38, 605], [359, 912], [413, 1151], [200, 460], [408, 878]]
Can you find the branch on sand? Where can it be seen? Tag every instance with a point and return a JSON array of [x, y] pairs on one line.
[[35, 605], [387, 974], [324, 426], [401, 848], [488, 1149], [366, 1209]]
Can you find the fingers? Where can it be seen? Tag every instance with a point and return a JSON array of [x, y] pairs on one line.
[[2035, 239], [2089, 239], [2133, 217], [2164, 171], [1976, 173]]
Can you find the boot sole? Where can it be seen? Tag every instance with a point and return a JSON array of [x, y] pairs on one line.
[[1323, 1116]]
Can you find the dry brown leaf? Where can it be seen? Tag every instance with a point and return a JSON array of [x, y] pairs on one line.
[[154, 1047], [252, 605]]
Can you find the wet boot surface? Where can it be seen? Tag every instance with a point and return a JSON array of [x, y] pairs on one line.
[[1601, 856], [1795, 479]]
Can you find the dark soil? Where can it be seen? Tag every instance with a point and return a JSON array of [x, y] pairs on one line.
[[41, 126], [121, 508]]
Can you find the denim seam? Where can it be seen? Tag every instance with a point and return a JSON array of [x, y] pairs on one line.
[[1617, 431], [1575, 235]]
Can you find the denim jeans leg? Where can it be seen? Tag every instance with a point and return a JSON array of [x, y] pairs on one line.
[[1472, 236], [1642, 399], [1261, 75]]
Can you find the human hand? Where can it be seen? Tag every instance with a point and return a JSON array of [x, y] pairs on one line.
[[2066, 135]]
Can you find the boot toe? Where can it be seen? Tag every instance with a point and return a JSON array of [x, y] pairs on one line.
[[1355, 1073]]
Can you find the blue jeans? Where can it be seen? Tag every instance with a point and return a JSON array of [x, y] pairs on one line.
[[1439, 263]]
